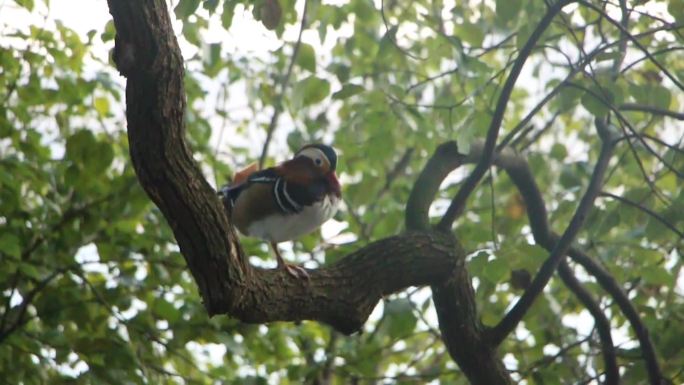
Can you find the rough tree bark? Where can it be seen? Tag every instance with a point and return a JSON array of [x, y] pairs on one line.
[[341, 295]]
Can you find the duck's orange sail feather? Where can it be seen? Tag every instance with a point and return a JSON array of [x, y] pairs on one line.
[[242, 175]]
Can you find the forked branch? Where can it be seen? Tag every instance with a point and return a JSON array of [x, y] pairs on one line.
[[342, 295], [518, 170]]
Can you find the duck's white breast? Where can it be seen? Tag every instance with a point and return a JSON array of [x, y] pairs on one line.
[[281, 228]]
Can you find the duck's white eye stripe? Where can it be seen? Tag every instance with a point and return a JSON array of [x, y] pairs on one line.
[[313, 153]]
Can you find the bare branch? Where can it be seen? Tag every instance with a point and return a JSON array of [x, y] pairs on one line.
[[518, 170], [458, 203], [652, 110], [646, 210], [635, 41], [602, 324], [515, 315], [445, 160]]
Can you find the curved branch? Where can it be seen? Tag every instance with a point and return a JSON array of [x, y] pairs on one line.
[[454, 299], [515, 315], [609, 284], [517, 169], [341, 295], [602, 323], [458, 203], [445, 160]]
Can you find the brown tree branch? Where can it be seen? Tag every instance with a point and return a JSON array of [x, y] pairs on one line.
[[601, 322], [457, 205], [609, 284], [646, 210], [652, 110], [517, 169], [445, 160], [341, 295], [454, 299], [515, 315]]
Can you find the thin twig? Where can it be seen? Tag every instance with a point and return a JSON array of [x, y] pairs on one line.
[[278, 103], [28, 298], [652, 110], [635, 41], [645, 209], [566, 81]]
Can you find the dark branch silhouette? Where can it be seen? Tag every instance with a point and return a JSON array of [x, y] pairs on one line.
[[457, 205], [515, 315], [517, 169]]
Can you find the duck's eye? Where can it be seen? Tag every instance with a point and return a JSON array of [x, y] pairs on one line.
[[318, 161]]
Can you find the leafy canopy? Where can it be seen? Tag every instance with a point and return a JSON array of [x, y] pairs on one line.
[[94, 289]]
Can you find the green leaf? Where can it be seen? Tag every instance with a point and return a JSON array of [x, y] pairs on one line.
[[101, 105], [651, 95], [79, 145], [400, 318], [676, 9], [310, 91], [596, 102], [496, 270], [166, 310], [210, 5], [348, 90], [306, 58], [30, 270], [470, 33], [28, 4], [656, 275], [186, 8], [507, 10], [10, 245], [228, 13], [100, 158], [559, 151], [568, 97]]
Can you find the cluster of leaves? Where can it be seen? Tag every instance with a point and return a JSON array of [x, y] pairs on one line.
[[93, 286]]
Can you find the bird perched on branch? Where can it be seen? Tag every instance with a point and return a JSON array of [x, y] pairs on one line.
[[284, 202]]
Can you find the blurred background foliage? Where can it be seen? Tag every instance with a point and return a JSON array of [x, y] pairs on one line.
[[94, 290]]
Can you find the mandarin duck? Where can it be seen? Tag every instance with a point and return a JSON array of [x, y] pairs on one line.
[[284, 202]]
